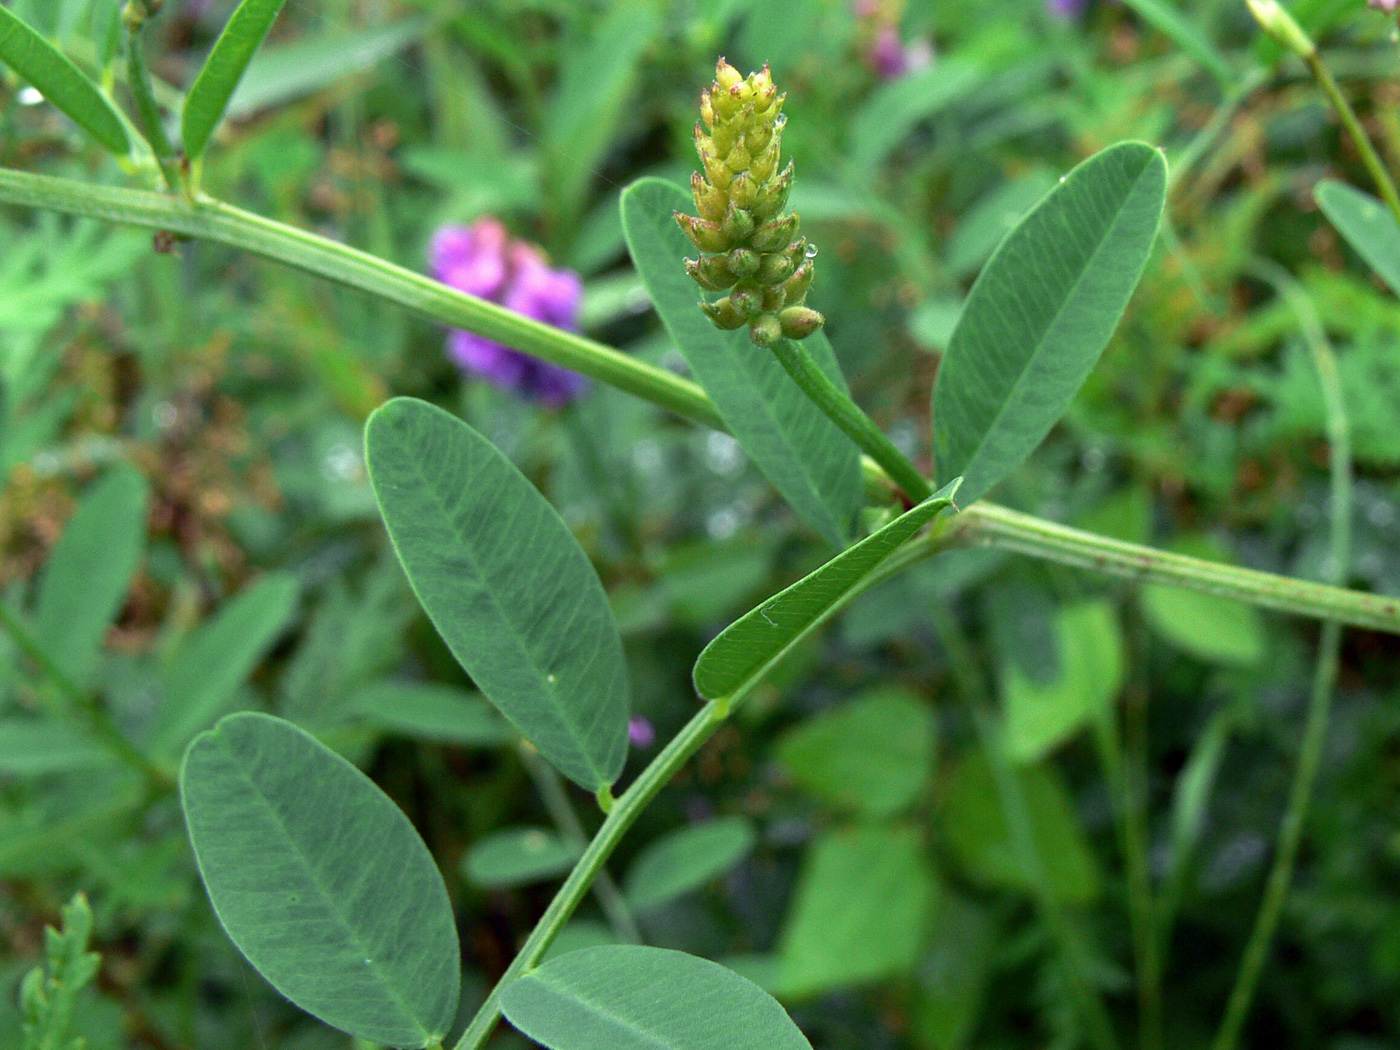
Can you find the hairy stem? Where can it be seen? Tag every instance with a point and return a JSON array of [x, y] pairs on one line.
[[847, 415], [556, 800], [982, 522], [1324, 677]]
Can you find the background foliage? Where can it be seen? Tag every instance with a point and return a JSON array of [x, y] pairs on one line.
[[187, 518]]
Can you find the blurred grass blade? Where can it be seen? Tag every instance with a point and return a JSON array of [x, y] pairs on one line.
[[896, 109], [61, 82], [804, 455], [627, 997], [596, 78], [217, 659], [760, 637], [321, 881], [1186, 35], [506, 584], [209, 96], [1041, 313], [84, 583], [287, 72], [1366, 225]]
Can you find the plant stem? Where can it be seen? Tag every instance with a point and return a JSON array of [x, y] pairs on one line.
[[99, 722], [1375, 167], [1012, 800], [847, 415], [556, 800], [1324, 677], [996, 526], [152, 126], [621, 817], [982, 522]]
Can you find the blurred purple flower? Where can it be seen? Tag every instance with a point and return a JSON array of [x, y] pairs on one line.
[[1066, 8], [885, 50], [483, 260], [641, 732], [1385, 5]]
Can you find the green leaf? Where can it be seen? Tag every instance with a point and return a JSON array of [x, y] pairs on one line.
[[893, 111], [507, 586], [321, 881], [952, 977], [596, 78], [978, 836], [33, 747], [1041, 715], [284, 73], [859, 911], [217, 659], [85, 581], [61, 82], [873, 755], [1213, 629], [687, 859], [761, 637], [1041, 312], [431, 712], [627, 997], [1367, 225], [519, 857], [210, 94], [806, 457]]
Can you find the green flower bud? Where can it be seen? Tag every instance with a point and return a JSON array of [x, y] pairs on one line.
[[765, 330], [740, 194], [798, 322]]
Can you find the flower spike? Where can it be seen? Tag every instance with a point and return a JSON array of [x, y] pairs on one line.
[[747, 243]]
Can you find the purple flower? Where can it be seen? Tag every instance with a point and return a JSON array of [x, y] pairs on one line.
[[1066, 8], [885, 51], [1385, 5], [483, 260], [641, 732]]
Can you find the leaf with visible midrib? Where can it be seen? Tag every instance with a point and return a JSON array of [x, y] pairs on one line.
[[1367, 226], [61, 82], [223, 69], [1041, 313], [802, 452], [321, 881], [686, 859], [627, 997], [763, 635], [506, 584]]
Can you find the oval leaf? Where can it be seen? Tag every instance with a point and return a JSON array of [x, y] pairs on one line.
[[1367, 225], [431, 712], [518, 857], [61, 82], [321, 881], [506, 584], [626, 997], [759, 638], [806, 457], [223, 69], [1041, 312], [686, 859], [85, 580]]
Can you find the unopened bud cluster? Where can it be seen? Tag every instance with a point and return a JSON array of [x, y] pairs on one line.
[[750, 248]]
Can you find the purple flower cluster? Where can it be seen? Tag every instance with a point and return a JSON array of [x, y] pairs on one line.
[[484, 260], [1066, 8], [886, 52]]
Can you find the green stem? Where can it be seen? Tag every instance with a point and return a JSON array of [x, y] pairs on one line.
[[98, 721], [847, 415], [1324, 677], [996, 526], [982, 522], [621, 817], [556, 800], [1015, 812], [152, 126], [1369, 157]]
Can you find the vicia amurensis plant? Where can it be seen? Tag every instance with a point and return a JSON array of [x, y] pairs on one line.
[[319, 878]]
